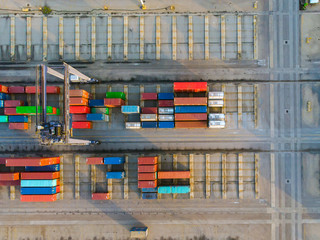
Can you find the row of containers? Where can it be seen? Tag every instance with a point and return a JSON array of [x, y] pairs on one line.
[[39, 181], [16, 112]]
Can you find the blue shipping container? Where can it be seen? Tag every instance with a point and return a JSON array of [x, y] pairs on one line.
[[38, 190], [191, 109], [1, 103], [149, 124], [4, 96], [49, 168], [149, 196], [113, 160], [165, 96], [96, 117], [39, 183], [166, 124], [164, 189], [115, 175], [96, 103], [180, 189], [18, 119], [149, 190], [130, 109]]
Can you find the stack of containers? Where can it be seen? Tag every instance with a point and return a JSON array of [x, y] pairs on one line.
[[147, 176], [166, 110], [98, 111], [114, 161], [9, 179], [148, 116], [131, 110], [79, 108], [190, 112], [215, 100], [114, 99]]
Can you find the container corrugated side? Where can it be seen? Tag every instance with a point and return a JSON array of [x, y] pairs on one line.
[[133, 125], [113, 160]]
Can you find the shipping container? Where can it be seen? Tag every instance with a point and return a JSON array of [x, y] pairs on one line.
[[164, 189], [2, 160], [3, 119], [18, 126], [2, 103], [17, 119], [11, 111], [149, 96], [39, 198], [147, 168], [81, 125], [180, 189], [215, 95], [13, 103], [173, 174], [3, 89], [4, 96], [49, 168], [38, 190], [139, 232], [10, 183], [39, 183], [147, 176], [78, 117], [97, 117], [190, 86], [50, 89], [133, 125], [166, 118], [149, 195], [120, 95], [9, 176], [113, 102], [79, 93], [190, 101], [149, 110], [148, 117], [216, 116], [166, 124], [94, 160], [130, 109], [103, 110], [39, 175], [147, 184], [115, 175], [149, 124], [165, 103], [79, 109], [191, 116], [147, 190], [198, 124], [100, 196], [113, 160], [190, 109], [169, 111], [165, 96], [76, 101], [215, 103], [147, 160], [31, 110], [31, 161], [217, 124], [16, 89], [96, 103]]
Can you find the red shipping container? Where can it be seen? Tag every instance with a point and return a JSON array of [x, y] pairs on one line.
[[57, 189], [94, 160], [147, 160], [3, 89], [2, 160], [11, 111], [16, 89], [190, 116], [79, 117], [192, 101], [18, 126], [149, 96], [50, 89], [149, 110], [173, 174], [81, 125], [9, 176], [13, 103], [100, 196], [113, 102], [147, 176], [200, 124], [10, 183], [79, 93], [79, 109], [147, 168], [39, 175], [165, 103], [147, 184], [31, 161], [190, 86], [38, 198], [78, 101]]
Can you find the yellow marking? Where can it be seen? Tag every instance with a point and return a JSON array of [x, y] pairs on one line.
[[93, 178], [190, 35], [255, 38], [174, 38], [239, 37], [61, 41], [224, 176], [206, 38], [29, 38], [12, 38], [109, 37], [126, 179], [77, 176], [208, 177], [191, 167], [240, 175], [110, 188], [61, 177], [158, 42], [223, 38], [141, 37], [239, 106], [77, 38], [45, 38], [125, 37], [93, 38], [12, 192], [256, 174]]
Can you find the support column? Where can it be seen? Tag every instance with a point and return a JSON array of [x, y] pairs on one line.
[[190, 35], [191, 176], [224, 176], [93, 38], [93, 178], [141, 37], [77, 37], [255, 38], [223, 38], [239, 37], [206, 38], [208, 176], [77, 176], [256, 174], [125, 37], [12, 38], [158, 41], [61, 42], [239, 107], [240, 175], [28, 38], [44, 39], [126, 179], [174, 38]]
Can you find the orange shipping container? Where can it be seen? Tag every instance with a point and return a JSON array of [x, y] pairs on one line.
[[147, 184], [147, 160], [173, 174], [94, 160], [39, 198], [191, 101], [147, 168], [100, 196], [40, 175], [9, 176], [79, 93], [31, 161], [147, 176], [18, 126], [78, 101], [3, 89]]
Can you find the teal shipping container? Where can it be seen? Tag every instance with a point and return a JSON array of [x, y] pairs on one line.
[[164, 189], [130, 109], [39, 183], [3, 118], [180, 189]]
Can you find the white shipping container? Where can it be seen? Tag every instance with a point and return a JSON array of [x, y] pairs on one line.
[[148, 117], [166, 118], [217, 124], [216, 116], [165, 110], [215, 95], [106, 117], [215, 103], [133, 125]]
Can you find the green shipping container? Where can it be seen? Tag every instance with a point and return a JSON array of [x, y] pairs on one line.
[[116, 95], [100, 110], [58, 112], [3, 118], [31, 110]]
